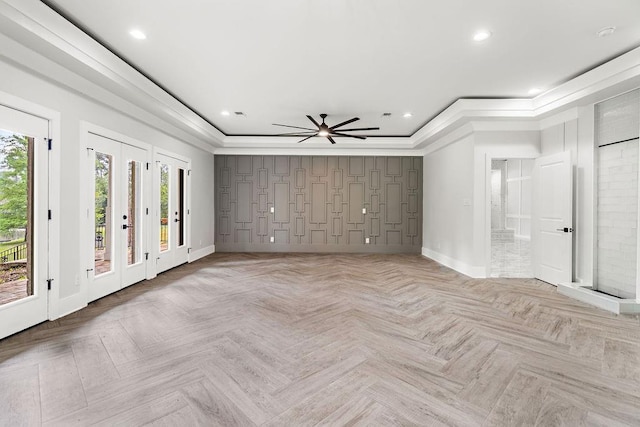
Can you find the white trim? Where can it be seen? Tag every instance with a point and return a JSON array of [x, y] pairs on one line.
[[71, 304], [326, 151], [606, 302], [201, 253], [561, 118], [53, 117], [91, 58], [476, 272], [88, 57], [455, 136]]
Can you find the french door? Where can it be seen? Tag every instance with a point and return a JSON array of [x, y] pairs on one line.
[[117, 215], [24, 199], [171, 236]]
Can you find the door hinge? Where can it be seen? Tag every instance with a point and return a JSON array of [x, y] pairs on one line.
[[49, 214], [147, 211], [49, 284], [188, 250], [146, 256], [147, 165], [49, 143], [189, 172]]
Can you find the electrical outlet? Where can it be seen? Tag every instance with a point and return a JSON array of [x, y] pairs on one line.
[[272, 209], [272, 239], [364, 211], [366, 240]]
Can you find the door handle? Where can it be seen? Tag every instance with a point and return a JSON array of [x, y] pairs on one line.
[[565, 229], [125, 226], [176, 220]]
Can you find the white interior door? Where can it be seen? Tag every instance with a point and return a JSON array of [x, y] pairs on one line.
[[552, 231], [116, 215], [172, 215], [24, 199]]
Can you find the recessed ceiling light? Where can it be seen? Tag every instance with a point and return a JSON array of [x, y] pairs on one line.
[[137, 34], [606, 31], [407, 115], [225, 113], [481, 35], [535, 91]]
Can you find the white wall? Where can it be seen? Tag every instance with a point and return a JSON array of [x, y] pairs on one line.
[[448, 206], [19, 79]]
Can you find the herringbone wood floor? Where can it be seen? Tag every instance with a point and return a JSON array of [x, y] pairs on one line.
[[263, 339]]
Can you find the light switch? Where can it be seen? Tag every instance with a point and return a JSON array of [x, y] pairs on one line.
[[272, 209], [366, 240], [272, 239], [466, 202], [364, 210]]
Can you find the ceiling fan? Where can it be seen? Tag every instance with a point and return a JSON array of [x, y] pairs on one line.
[[325, 130]]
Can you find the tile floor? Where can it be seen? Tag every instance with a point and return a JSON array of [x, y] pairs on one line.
[[510, 257]]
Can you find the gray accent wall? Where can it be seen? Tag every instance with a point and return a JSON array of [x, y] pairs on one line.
[[317, 204]]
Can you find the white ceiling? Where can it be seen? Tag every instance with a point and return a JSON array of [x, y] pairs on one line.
[[278, 60]]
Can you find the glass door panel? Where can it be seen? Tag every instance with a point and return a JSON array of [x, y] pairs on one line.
[[134, 213], [164, 207], [103, 207], [16, 216], [117, 220], [24, 240], [172, 215], [181, 208]]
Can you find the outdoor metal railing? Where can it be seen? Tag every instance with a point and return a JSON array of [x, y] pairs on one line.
[[101, 230], [16, 253]]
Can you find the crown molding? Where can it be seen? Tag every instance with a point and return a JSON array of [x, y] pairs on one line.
[[613, 77], [43, 30], [39, 28]]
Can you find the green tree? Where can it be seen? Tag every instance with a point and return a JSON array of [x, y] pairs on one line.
[[13, 182], [102, 187], [164, 191]]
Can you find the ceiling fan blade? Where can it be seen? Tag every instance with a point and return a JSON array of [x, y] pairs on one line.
[[349, 130], [331, 139], [311, 136], [294, 127], [347, 135], [296, 133], [313, 120], [345, 123]]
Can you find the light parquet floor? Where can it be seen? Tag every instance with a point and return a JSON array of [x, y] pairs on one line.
[[305, 339]]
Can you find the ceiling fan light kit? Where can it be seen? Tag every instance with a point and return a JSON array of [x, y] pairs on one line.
[[324, 130]]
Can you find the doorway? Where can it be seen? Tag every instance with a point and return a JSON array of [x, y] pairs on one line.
[[117, 215], [511, 196], [172, 213], [24, 233]]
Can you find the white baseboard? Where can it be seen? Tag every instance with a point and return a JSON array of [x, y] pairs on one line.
[[201, 253], [69, 305], [586, 294], [477, 272]]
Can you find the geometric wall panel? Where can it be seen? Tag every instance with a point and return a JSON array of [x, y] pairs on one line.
[[356, 202], [393, 203], [244, 192], [318, 202]]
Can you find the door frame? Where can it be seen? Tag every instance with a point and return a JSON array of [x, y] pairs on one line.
[[155, 234], [487, 200], [53, 241], [86, 235]]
